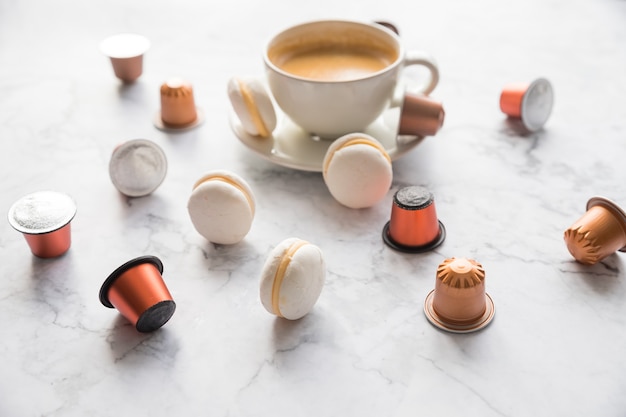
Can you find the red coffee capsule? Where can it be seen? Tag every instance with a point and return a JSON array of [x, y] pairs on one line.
[[532, 103], [598, 233], [459, 303], [413, 226], [420, 115], [137, 290], [44, 219]]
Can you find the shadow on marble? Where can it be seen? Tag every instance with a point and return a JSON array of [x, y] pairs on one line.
[[135, 92], [215, 254], [124, 339], [290, 334], [603, 277], [150, 203], [514, 128], [44, 268]]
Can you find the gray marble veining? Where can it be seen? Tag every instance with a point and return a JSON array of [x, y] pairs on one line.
[[556, 345]]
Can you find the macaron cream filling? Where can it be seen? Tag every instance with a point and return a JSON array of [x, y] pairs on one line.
[[280, 274], [248, 99], [358, 141], [212, 177]]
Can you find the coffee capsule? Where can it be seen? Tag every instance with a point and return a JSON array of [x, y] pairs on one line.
[[598, 233], [413, 226], [532, 103], [178, 107], [126, 50], [389, 26], [137, 167], [137, 290], [44, 218], [420, 115], [459, 303]]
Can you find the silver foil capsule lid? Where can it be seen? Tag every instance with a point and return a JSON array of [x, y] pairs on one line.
[[124, 45], [42, 212], [137, 167], [537, 104]]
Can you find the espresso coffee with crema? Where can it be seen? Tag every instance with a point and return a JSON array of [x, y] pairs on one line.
[[334, 77], [336, 63], [342, 56]]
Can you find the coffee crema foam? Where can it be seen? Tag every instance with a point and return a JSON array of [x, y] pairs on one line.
[[343, 56], [336, 63]]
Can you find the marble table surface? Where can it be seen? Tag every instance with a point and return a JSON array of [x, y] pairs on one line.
[[556, 346]]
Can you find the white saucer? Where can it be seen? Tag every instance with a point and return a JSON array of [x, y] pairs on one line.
[[292, 147]]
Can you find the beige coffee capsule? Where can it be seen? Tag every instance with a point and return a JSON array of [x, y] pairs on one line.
[[178, 107], [459, 303], [598, 233], [420, 115]]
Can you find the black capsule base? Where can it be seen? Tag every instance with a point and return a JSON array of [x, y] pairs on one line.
[[414, 249]]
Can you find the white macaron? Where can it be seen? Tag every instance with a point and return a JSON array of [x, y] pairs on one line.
[[292, 278], [253, 105], [357, 170], [221, 207]]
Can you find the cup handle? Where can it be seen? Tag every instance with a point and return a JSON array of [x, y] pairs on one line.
[[425, 60]]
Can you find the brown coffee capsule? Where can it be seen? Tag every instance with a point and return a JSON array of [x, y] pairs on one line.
[[389, 26], [413, 226], [459, 303], [126, 50], [420, 115], [44, 219], [598, 233], [178, 107], [532, 103], [137, 290]]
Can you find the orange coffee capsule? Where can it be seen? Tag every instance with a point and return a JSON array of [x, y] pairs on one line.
[[44, 219], [598, 233], [459, 303], [420, 115], [178, 106], [532, 103], [413, 226], [137, 290]]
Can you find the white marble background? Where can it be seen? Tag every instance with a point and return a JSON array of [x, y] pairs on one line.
[[556, 346]]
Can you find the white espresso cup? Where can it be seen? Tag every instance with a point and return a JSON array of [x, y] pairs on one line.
[[333, 77]]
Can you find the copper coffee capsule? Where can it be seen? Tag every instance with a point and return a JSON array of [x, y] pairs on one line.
[[420, 115], [532, 103], [137, 290], [137, 167], [413, 226], [44, 219], [598, 233], [459, 303], [178, 107], [126, 52]]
